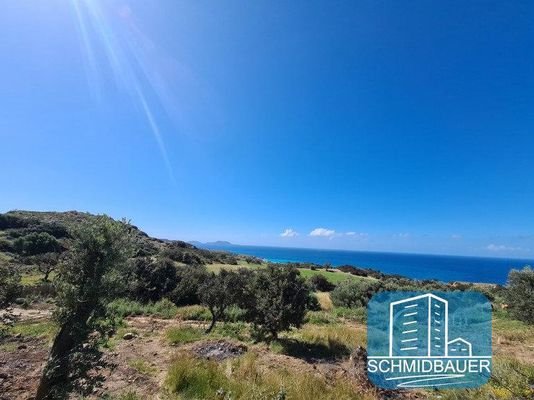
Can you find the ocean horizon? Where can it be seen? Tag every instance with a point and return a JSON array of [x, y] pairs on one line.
[[446, 268]]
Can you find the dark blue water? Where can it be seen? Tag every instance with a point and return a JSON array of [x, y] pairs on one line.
[[417, 266]]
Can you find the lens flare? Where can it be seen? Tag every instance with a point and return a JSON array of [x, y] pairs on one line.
[[115, 35]]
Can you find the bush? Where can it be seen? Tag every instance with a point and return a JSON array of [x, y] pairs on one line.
[[153, 279], [520, 294], [10, 287], [321, 284], [276, 300], [354, 293], [189, 279], [36, 243]]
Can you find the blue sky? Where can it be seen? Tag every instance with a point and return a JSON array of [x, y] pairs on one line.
[[372, 125]]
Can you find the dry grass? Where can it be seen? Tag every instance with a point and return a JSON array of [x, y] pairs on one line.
[[243, 378], [324, 301]]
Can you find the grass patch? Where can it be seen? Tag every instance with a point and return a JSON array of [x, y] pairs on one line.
[[512, 330], [234, 330], [216, 268], [334, 277], [350, 314], [324, 301], [321, 318], [124, 307], [510, 380], [193, 313], [245, 379], [40, 329], [8, 347], [142, 367], [183, 335], [320, 341]]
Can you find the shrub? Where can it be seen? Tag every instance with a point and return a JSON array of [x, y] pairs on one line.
[[520, 294], [276, 300], [354, 293], [188, 279], [153, 279], [36, 243], [321, 284], [10, 287]]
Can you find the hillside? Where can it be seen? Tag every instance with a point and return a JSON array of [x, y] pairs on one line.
[[154, 343]]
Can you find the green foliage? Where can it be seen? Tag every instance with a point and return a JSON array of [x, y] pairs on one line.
[[121, 308], [189, 279], [321, 284], [219, 292], [10, 287], [354, 293], [520, 294], [36, 243], [91, 277], [276, 299], [152, 280]]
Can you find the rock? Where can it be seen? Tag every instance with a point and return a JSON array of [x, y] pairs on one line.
[[128, 336], [18, 335], [20, 301]]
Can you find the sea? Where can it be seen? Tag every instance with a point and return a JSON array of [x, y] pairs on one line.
[[417, 266]]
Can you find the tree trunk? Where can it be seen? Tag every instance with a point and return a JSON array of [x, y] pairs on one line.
[[56, 370], [212, 324]]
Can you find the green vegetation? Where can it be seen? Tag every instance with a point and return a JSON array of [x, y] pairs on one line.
[[221, 291], [183, 335], [124, 308], [105, 271], [152, 279], [276, 299], [333, 277], [353, 294], [10, 286], [520, 294], [91, 277], [38, 329]]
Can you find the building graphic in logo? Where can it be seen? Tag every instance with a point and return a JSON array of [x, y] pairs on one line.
[[429, 339]]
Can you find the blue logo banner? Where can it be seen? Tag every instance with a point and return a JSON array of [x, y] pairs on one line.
[[429, 339]]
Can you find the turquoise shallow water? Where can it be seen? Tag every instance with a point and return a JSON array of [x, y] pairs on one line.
[[418, 266]]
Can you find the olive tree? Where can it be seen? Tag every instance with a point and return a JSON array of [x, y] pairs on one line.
[[276, 300], [520, 294], [90, 277], [219, 292], [153, 279]]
